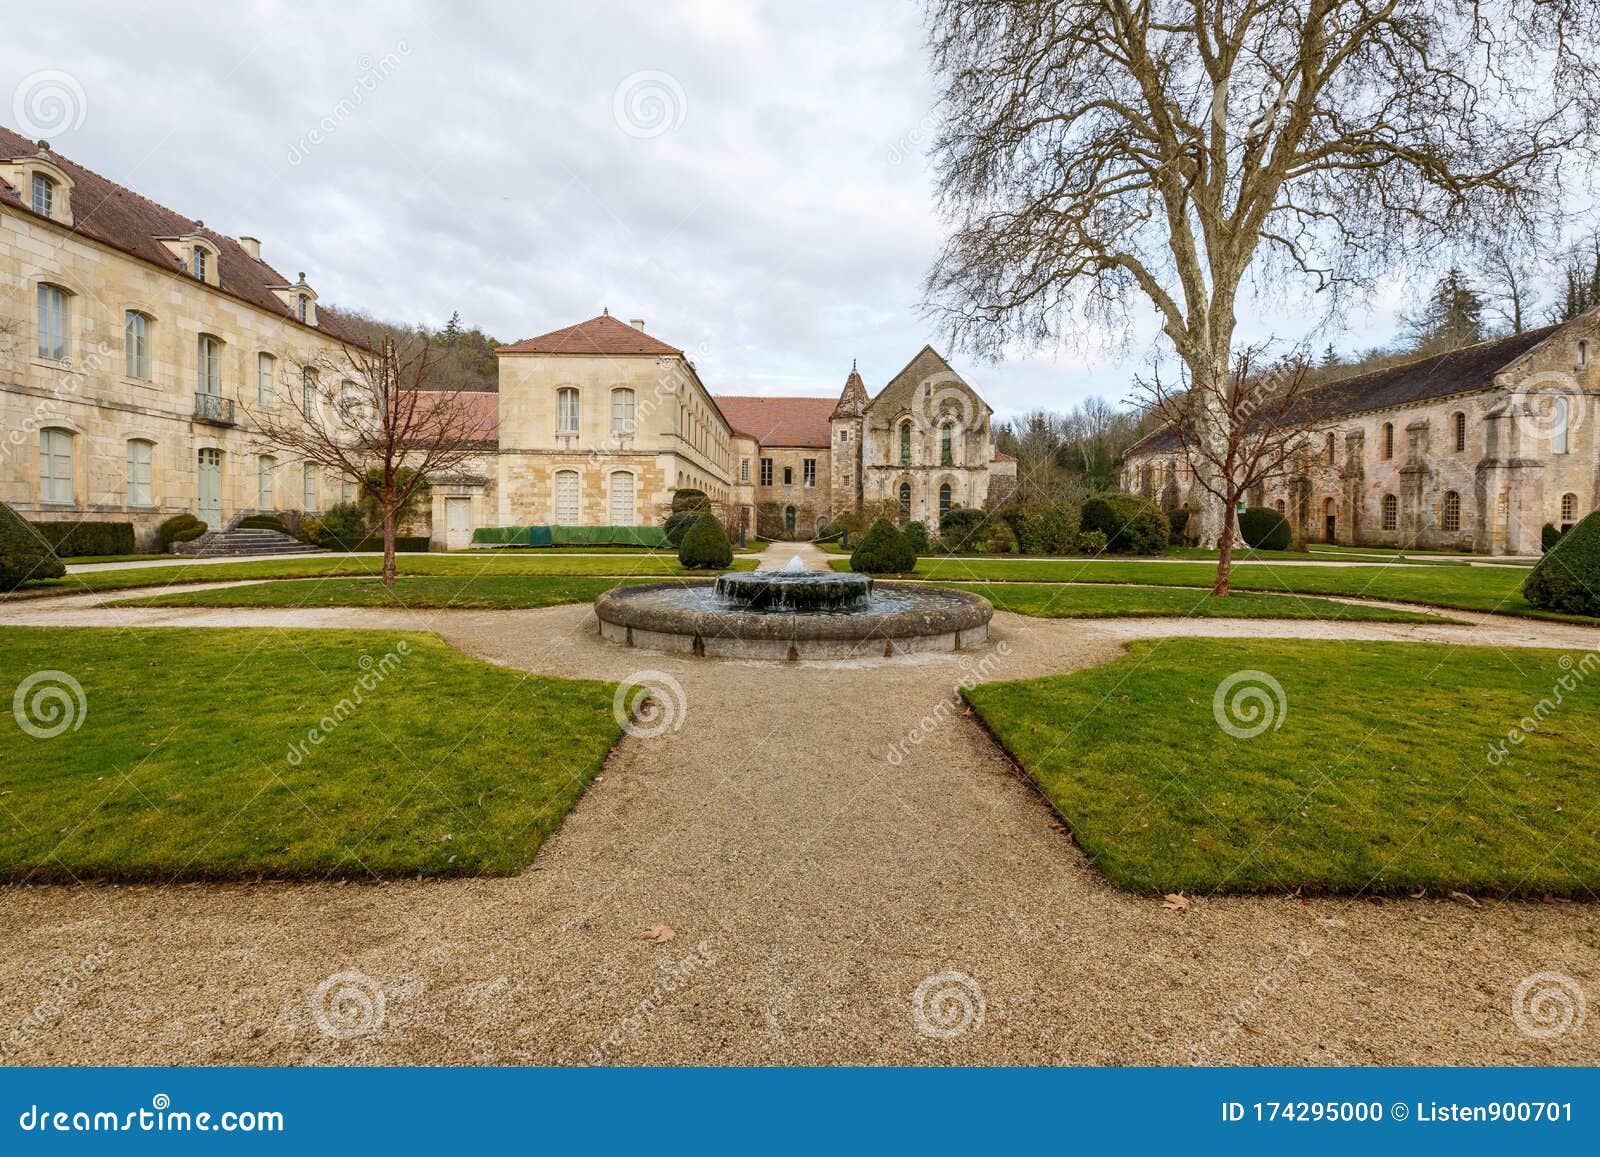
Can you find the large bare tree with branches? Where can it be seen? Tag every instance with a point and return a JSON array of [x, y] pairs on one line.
[[1096, 152], [379, 415], [1267, 425]]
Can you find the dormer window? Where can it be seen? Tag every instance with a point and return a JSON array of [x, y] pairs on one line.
[[302, 307], [44, 195], [197, 264]]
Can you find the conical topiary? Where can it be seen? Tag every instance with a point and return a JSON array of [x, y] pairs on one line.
[[705, 546], [1567, 578], [883, 550], [24, 557]]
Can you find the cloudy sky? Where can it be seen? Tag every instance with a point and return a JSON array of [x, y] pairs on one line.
[[749, 178]]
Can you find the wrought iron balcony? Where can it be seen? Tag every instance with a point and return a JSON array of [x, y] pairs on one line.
[[212, 408]]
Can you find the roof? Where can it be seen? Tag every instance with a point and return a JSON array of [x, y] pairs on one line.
[[603, 335], [999, 457], [116, 216], [853, 400], [1459, 371], [479, 408], [779, 421]]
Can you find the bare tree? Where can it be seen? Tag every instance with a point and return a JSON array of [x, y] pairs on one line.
[[372, 414], [1509, 282], [1094, 152], [1266, 424]]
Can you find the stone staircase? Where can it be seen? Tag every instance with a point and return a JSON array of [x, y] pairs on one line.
[[239, 541]]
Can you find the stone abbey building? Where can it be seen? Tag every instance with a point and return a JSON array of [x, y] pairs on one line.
[[1472, 450], [135, 343]]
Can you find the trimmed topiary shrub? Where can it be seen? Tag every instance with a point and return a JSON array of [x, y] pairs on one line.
[[705, 546], [1041, 527], [883, 550], [24, 556], [916, 536], [998, 538], [1131, 524], [1090, 542], [961, 527], [693, 501], [340, 527], [1178, 522], [1567, 578], [263, 522], [677, 525], [178, 528], [76, 539], [1549, 535], [1262, 528]]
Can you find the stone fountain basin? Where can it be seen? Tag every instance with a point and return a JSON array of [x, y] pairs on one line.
[[904, 618]]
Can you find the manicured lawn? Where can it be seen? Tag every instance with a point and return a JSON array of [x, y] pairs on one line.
[[1463, 587], [318, 566], [1058, 601], [182, 764], [1379, 777], [86, 558], [467, 591]]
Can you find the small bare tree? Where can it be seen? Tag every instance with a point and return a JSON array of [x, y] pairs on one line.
[[375, 414], [1266, 423]]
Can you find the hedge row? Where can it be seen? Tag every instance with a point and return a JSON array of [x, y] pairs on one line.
[[76, 539]]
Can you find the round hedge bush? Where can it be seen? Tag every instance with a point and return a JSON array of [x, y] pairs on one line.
[[1042, 527], [1131, 524], [1262, 528], [883, 550], [677, 525], [1549, 535], [705, 546], [916, 536], [1567, 578], [179, 528], [961, 527], [24, 557]]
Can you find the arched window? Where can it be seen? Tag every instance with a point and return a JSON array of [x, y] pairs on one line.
[[944, 499], [567, 410], [1388, 439], [567, 508], [266, 476], [208, 375], [1391, 512], [1559, 411], [266, 379], [55, 323], [1450, 518], [1327, 449], [1569, 508], [946, 447], [136, 345], [905, 501], [622, 498], [1278, 505], [309, 501], [788, 519], [1459, 425], [905, 443], [141, 478], [622, 411], [55, 466]]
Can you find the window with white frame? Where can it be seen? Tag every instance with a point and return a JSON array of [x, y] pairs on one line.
[[55, 322], [567, 410], [766, 471], [141, 472], [136, 345], [208, 378], [266, 380], [808, 471], [266, 474], [308, 391], [1560, 414], [308, 487], [198, 265], [622, 411], [302, 307], [43, 195], [55, 466], [347, 491]]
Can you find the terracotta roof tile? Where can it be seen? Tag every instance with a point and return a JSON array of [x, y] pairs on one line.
[[482, 409], [113, 215], [603, 335], [779, 421]]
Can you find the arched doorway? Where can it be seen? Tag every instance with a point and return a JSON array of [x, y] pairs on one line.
[[1329, 522], [788, 519]]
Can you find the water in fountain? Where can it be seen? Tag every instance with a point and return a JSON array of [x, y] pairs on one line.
[[794, 588]]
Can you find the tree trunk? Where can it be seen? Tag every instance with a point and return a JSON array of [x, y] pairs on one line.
[[1219, 589], [388, 548]]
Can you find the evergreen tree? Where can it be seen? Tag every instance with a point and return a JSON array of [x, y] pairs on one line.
[[1453, 316]]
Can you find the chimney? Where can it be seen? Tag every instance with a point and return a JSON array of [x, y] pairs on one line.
[[638, 324], [252, 247]]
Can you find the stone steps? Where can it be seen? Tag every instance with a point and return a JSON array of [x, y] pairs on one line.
[[239, 542]]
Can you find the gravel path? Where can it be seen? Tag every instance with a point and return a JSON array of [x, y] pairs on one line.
[[813, 885]]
